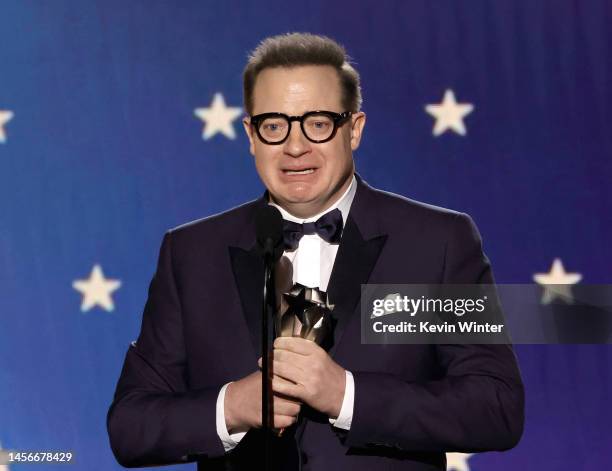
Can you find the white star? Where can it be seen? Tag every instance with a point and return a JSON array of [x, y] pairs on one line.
[[218, 118], [557, 283], [458, 461], [96, 290], [5, 117], [449, 114]]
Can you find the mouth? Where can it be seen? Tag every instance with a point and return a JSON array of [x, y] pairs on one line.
[[305, 171]]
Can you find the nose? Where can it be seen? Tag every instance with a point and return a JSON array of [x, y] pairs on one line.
[[296, 143]]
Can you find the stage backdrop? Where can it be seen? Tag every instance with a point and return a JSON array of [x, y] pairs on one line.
[[121, 119]]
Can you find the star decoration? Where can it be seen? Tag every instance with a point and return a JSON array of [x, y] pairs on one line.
[[96, 290], [296, 300], [557, 283], [458, 461], [301, 298], [449, 114], [218, 118], [5, 117]]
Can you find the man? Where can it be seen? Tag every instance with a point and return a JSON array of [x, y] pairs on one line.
[[190, 387]]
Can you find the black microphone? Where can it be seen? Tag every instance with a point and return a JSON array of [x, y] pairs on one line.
[[269, 230]]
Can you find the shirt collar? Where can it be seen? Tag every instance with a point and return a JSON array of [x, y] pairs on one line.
[[343, 204]]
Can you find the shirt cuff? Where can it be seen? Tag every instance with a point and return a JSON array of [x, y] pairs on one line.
[[229, 441], [345, 417]]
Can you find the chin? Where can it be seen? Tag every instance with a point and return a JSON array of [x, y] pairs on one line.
[[297, 192]]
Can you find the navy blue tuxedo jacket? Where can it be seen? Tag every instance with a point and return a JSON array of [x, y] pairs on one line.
[[201, 329]]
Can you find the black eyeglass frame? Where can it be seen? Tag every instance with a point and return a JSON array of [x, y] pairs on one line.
[[337, 118]]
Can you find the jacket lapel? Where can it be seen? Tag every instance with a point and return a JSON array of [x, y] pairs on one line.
[[354, 262], [359, 250], [248, 269]]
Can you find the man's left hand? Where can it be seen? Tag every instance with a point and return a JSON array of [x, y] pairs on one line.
[[304, 371]]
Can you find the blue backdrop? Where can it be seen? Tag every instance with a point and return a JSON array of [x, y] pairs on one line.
[[102, 149]]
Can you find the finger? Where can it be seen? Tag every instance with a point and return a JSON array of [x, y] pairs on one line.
[[279, 396], [296, 345], [282, 386], [284, 399], [282, 421], [287, 371], [287, 356], [286, 408]]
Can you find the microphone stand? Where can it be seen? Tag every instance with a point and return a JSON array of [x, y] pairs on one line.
[[268, 308]]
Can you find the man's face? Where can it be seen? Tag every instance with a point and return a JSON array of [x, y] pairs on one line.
[[326, 169]]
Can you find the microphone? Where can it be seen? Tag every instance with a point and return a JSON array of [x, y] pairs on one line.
[[269, 230]]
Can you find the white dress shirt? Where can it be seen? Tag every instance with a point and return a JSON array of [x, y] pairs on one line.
[[312, 262]]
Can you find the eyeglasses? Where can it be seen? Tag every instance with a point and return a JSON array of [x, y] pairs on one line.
[[317, 126]]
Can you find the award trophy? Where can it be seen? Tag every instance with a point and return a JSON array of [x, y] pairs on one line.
[[304, 312]]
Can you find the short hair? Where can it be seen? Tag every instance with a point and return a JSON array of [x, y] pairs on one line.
[[296, 49]]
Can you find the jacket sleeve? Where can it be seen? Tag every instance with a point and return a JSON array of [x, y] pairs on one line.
[[155, 418], [476, 405]]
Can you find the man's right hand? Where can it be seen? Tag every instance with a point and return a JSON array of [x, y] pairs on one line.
[[242, 406]]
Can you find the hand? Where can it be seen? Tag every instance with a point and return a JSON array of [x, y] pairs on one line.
[[242, 406], [305, 372]]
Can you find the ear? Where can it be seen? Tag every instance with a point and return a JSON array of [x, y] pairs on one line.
[[246, 122], [357, 123]]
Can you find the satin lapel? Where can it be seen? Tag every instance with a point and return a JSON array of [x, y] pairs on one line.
[[248, 270], [355, 260]]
